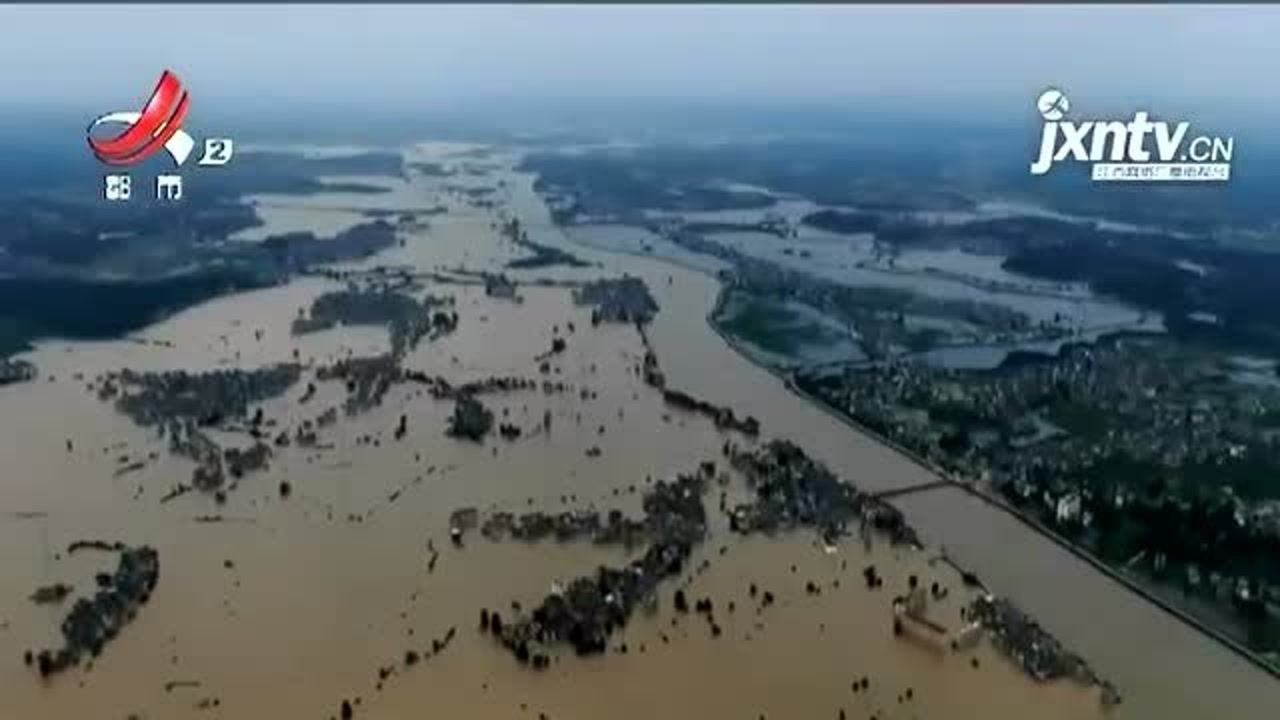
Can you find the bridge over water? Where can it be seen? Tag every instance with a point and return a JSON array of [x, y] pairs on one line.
[[912, 489]]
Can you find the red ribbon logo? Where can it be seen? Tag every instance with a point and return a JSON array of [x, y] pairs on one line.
[[158, 125]]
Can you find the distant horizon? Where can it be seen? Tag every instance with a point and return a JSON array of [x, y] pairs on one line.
[[533, 113], [940, 104], [941, 60]]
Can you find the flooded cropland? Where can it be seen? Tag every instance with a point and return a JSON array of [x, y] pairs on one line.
[[784, 235], [330, 583]]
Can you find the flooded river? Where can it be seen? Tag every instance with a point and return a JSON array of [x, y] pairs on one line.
[[286, 607]]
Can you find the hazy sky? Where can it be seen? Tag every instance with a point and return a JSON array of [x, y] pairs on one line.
[[430, 54]]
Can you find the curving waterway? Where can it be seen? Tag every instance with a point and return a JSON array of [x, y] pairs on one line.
[[1164, 668], [285, 608]]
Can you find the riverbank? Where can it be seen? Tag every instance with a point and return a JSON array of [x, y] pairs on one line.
[[1165, 668], [1026, 521], [998, 503]]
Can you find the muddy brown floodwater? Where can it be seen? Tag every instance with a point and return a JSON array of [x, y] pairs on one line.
[[311, 605]]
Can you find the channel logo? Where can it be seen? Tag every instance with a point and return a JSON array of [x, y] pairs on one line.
[[158, 125], [1141, 149]]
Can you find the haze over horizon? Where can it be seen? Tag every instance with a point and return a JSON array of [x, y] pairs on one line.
[[1208, 59]]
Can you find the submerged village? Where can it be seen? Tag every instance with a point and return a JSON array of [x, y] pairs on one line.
[[229, 446]]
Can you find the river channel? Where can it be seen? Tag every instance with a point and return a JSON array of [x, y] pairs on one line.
[[285, 608]]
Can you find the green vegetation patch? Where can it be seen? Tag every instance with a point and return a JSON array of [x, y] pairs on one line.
[[770, 324]]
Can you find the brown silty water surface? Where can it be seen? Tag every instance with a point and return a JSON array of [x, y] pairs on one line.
[[315, 603]]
